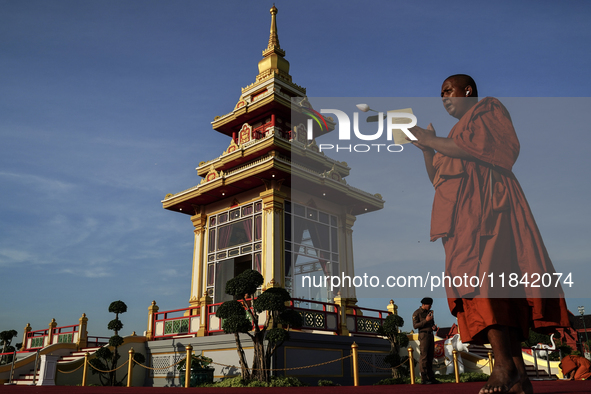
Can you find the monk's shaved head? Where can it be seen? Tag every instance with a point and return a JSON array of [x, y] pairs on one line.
[[463, 80]]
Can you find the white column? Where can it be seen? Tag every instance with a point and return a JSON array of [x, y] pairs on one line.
[[198, 275], [273, 235], [48, 370]]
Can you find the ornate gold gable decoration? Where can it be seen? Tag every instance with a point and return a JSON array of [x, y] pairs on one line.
[[245, 134], [300, 134], [211, 175], [334, 175], [231, 148], [241, 103]]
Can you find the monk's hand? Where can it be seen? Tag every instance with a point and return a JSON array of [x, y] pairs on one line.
[[423, 136], [429, 317]]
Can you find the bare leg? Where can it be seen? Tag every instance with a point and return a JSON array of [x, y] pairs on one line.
[[524, 385], [505, 373]]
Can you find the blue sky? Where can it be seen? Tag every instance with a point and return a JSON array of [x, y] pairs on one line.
[[106, 107]]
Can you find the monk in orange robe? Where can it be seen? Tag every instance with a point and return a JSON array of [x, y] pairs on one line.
[[576, 367], [484, 221]]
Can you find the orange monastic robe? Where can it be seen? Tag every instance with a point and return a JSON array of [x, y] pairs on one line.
[[580, 365], [487, 229]]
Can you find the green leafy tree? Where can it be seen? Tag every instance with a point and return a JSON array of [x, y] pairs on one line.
[[241, 315], [398, 340], [5, 340], [107, 359]]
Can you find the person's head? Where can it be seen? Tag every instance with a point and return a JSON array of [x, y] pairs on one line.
[[426, 303], [459, 94]]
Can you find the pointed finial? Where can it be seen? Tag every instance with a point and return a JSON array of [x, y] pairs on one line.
[[273, 36], [273, 61]]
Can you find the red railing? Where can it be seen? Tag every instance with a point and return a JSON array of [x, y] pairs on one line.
[[361, 321], [96, 341], [66, 330], [214, 323], [261, 131], [186, 324], [36, 339], [317, 315]]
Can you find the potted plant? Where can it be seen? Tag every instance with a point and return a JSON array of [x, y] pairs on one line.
[[200, 370]]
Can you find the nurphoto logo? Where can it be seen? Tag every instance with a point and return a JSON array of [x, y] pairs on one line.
[[396, 122]]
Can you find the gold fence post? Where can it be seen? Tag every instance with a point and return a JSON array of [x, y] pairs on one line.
[[412, 365], [27, 329], [203, 317], [82, 333], [188, 366], [456, 367], [85, 369], [52, 325], [355, 364], [130, 367], [152, 310], [490, 361]]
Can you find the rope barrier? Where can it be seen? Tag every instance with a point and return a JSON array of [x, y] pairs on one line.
[[80, 366], [252, 369], [287, 369], [388, 369], [113, 370], [154, 368]]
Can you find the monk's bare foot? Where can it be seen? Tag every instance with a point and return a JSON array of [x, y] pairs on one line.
[[524, 386], [501, 380]]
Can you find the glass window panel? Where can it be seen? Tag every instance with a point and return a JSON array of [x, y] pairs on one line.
[[258, 262], [324, 255], [223, 218], [288, 246], [247, 210], [287, 263], [334, 267], [235, 214], [212, 221], [312, 214], [224, 272], [287, 227], [258, 227], [233, 252], [300, 210], [311, 252], [210, 275], [287, 206], [323, 217], [233, 234], [335, 257], [258, 246], [334, 241], [333, 220], [258, 206], [307, 232], [211, 240]]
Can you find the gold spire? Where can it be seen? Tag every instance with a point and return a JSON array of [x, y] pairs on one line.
[[273, 55], [273, 37]]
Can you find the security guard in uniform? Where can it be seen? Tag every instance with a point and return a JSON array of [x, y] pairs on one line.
[[422, 320]]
